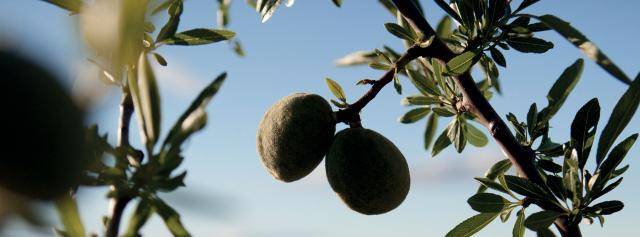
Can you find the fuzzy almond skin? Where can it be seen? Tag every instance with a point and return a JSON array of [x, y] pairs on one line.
[[44, 147], [294, 135], [367, 171]]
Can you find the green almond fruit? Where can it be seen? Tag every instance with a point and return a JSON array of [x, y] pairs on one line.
[[294, 135], [367, 171]]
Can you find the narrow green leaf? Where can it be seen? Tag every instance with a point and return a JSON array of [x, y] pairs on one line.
[[585, 45], [169, 29], [425, 86], [608, 207], [606, 190], [474, 135], [487, 202], [441, 142], [171, 218], [138, 219], [68, 211], [488, 183], [160, 59], [430, 130], [356, 58], [456, 135], [199, 36], [583, 130], [420, 100], [146, 100], [518, 227], [461, 63], [541, 220], [443, 30], [414, 115], [498, 57], [525, 187], [532, 120], [613, 160], [529, 44], [496, 169], [336, 89], [396, 84], [561, 90], [180, 130], [266, 8], [400, 32], [622, 113], [338, 3], [380, 66], [472, 225]]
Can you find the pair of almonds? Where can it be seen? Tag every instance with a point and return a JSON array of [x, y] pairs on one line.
[[364, 168]]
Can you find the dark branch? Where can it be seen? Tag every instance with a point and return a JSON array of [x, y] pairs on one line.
[[474, 102], [351, 115]]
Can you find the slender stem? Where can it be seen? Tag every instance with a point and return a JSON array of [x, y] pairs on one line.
[[475, 103], [117, 205], [350, 115]]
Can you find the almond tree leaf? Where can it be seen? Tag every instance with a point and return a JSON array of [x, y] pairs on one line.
[[414, 115], [443, 30], [380, 66], [622, 113], [613, 160], [541, 220], [475, 136], [561, 90], [529, 44], [441, 143], [138, 219], [70, 217], [199, 36], [169, 29], [420, 100], [525, 187], [400, 32], [488, 183], [608, 207], [518, 227], [356, 58], [171, 218], [178, 132], [430, 130], [584, 44], [461, 63], [338, 3], [583, 130], [266, 8], [496, 169], [336, 89], [498, 57], [149, 98], [487, 202], [472, 225]]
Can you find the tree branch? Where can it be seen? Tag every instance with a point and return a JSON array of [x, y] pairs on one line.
[[117, 205], [351, 115], [475, 103]]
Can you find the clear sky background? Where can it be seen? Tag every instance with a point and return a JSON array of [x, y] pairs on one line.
[[228, 192]]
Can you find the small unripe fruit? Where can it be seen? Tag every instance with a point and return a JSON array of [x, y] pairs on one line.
[[367, 171], [43, 145], [294, 135]]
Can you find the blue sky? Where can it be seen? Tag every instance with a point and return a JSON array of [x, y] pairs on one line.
[[228, 192]]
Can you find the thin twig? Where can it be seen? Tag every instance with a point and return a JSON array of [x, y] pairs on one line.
[[117, 205]]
